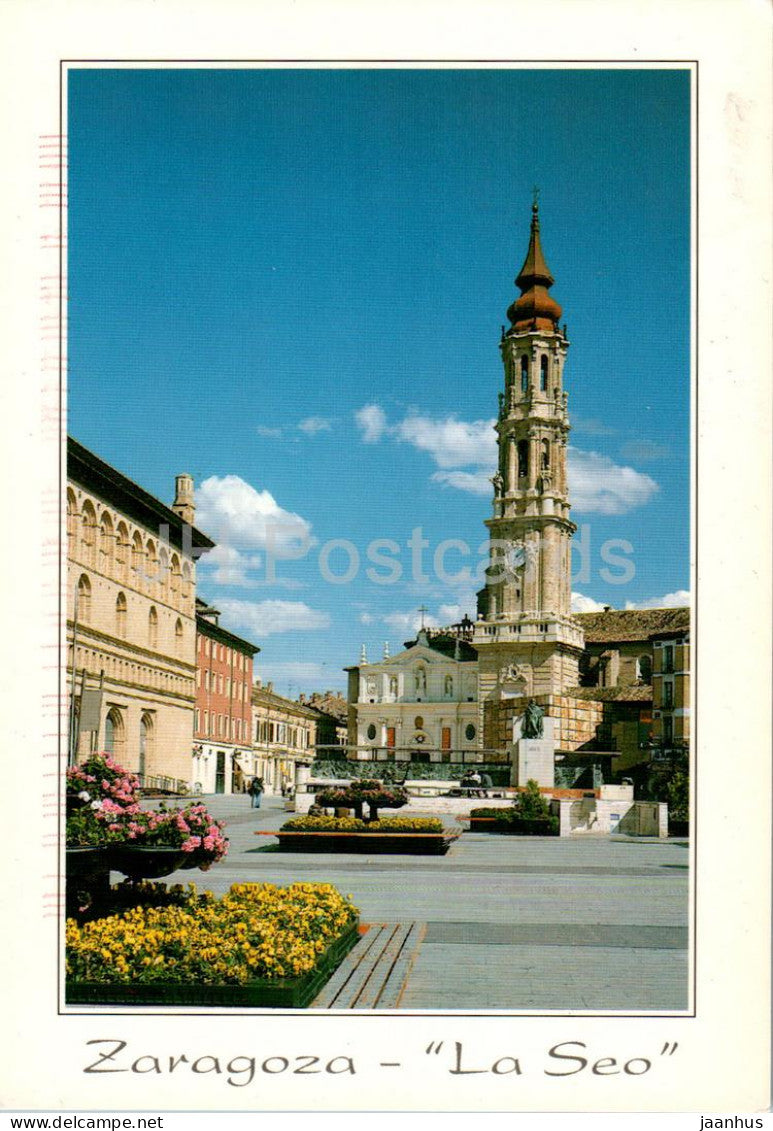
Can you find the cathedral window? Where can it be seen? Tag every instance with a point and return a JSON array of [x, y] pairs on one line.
[[153, 628], [524, 373], [523, 459], [84, 598], [543, 373], [120, 615]]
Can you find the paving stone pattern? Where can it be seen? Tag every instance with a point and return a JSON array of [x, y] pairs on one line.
[[507, 923]]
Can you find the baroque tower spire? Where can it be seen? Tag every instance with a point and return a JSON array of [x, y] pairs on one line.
[[524, 622]]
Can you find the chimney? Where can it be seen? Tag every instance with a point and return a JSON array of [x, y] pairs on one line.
[[270, 686], [184, 504]]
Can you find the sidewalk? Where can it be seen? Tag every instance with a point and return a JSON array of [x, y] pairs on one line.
[[510, 923]]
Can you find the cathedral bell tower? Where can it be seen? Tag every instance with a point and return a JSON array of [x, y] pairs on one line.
[[528, 643]]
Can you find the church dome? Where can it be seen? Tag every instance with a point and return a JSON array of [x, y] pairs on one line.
[[535, 309]]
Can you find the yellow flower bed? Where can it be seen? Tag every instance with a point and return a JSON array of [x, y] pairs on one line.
[[255, 931], [352, 825]]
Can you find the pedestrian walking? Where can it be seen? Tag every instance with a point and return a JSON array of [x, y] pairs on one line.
[[256, 791]]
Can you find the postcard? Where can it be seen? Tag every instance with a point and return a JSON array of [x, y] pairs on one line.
[[395, 425]]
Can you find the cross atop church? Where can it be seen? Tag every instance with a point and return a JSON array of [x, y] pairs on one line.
[[423, 609], [535, 196]]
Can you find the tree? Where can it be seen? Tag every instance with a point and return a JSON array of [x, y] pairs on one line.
[[531, 805]]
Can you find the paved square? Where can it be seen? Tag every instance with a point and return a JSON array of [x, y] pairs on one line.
[[511, 923]]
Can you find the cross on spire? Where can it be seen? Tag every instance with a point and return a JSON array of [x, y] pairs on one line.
[[423, 609], [535, 196]]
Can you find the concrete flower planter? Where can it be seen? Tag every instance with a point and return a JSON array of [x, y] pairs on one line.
[[411, 844], [274, 993]]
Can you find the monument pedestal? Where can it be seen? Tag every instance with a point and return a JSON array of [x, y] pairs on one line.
[[534, 758]]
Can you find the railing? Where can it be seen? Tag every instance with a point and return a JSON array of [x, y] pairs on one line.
[[410, 754], [164, 784]]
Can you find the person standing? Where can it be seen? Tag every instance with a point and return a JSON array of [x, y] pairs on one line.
[[256, 791]]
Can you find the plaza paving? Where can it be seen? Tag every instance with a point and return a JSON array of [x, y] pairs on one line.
[[510, 923]]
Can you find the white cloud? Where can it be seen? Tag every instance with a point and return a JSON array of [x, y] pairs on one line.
[[582, 604], [268, 433], [473, 482], [235, 514], [230, 567], [410, 621], [597, 484], [314, 424], [372, 422], [679, 599], [451, 442], [266, 618], [367, 618], [466, 454]]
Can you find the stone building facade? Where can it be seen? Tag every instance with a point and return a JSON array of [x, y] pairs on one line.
[[420, 705], [131, 630], [671, 689], [619, 650], [222, 739], [284, 736]]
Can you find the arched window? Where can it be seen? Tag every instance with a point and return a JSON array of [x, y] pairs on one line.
[[153, 627], [151, 561], [138, 553], [89, 534], [72, 522], [644, 669], [146, 742], [543, 373], [174, 577], [523, 459], [106, 543], [186, 581], [122, 551], [120, 615], [84, 598], [524, 373], [163, 573], [178, 637], [545, 455], [115, 734]]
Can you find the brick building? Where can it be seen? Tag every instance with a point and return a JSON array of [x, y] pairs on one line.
[[222, 740]]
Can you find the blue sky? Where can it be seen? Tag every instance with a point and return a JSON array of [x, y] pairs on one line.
[[290, 283]]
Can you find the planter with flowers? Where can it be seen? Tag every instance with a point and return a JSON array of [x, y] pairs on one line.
[[259, 945], [106, 829], [414, 836], [358, 794]]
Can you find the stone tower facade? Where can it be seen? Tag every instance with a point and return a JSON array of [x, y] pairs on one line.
[[527, 641]]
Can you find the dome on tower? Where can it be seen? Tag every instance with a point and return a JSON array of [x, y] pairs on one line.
[[535, 309]]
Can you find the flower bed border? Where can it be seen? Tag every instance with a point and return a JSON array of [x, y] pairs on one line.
[[274, 993], [412, 844]]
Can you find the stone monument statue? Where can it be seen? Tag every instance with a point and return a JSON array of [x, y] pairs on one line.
[[532, 720]]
